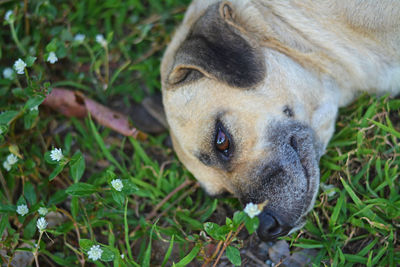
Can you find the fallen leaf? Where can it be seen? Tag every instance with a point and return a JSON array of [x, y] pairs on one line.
[[76, 104]]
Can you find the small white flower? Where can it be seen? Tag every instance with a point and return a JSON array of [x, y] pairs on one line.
[[42, 211], [41, 224], [19, 66], [22, 210], [52, 57], [79, 38], [117, 184], [8, 73], [8, 15], [252, 210], [12, 159], [6, 166], [100, 39], [95, 252], [56, 154], [122, 256]]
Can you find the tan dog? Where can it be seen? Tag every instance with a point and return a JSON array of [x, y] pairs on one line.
[[251, 90]]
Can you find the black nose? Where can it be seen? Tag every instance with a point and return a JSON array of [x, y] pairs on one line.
[[270, 227]]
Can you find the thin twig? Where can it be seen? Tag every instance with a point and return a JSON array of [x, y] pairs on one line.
[[255, 259], [227, 242]]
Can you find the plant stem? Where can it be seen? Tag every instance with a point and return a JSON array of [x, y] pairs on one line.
[[128, 247], [35, 254], [15, 37], [227, 242]]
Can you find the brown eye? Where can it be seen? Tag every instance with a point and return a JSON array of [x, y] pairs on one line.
[[222, 142]]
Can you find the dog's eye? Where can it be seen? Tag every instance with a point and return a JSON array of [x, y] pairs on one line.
[[222, 142]]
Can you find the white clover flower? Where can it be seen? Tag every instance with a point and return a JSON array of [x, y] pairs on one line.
[[8, 15], [252, 210], [52, 57], [42, 211], [100, 39], [117, 184], [6, 166], [41, 224], [19, 66], [8, 73], [56, 154], [95, 252], [12, 159], [22, 209], [79, 38]]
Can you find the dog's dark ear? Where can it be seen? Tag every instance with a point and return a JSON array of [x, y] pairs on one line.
[[216, 48]]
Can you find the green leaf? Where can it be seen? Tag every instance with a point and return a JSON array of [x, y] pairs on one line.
[[104, 149], [189, 257], [4, 222], [108, 254], [387, 129], [86, 244], [147, 254], [29, 61], [8, 116], [29, 193], [77, 166], [81, 189], [74, 207], [34, 102], [233, 255], [169, 251], [57, 259], [21, 201], [213, 230], [118, 197], [251, 224], [57, 197], [57, 170], [52, 46], [129, 187], [30, 229], [239, 217], [7, 208], [30, 119]]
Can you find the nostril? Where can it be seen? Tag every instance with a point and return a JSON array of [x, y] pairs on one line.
[[269, 228], [293, 143]]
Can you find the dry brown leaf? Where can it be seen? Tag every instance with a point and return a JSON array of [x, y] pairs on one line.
[[76, 104]]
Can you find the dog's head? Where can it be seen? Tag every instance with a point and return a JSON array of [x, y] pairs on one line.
[[246, 119]]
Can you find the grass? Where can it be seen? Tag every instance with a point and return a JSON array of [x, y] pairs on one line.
[[161, 216]]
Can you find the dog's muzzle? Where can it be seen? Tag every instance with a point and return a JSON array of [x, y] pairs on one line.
[[287, 179]]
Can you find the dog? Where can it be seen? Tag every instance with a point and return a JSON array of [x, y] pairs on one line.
[[251, 91]]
